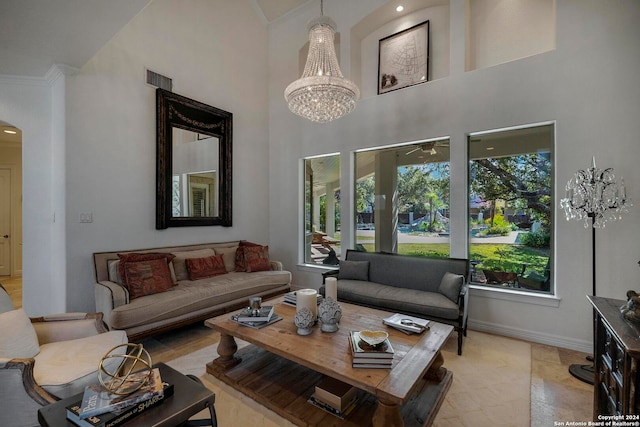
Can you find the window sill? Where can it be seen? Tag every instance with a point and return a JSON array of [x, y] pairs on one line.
[[514, 295], [316, 268]]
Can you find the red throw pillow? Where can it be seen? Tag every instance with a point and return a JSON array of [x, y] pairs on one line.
[[147, 277], [135, 257], [201, 268], [241, 265], [256, 258]]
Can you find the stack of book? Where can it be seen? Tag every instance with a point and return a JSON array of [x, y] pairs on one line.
[[99, 408], [290, 298], [265, 317], [407, 324], [334, 396], [367, 356]]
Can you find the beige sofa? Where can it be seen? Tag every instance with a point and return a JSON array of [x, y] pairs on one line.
[[188, 301]]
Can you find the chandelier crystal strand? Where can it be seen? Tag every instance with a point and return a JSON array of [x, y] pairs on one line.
[[322, 94], [594, 193]]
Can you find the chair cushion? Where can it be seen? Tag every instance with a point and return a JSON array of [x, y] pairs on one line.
[[450, 285], [65, 368], [5, 301], [354, 270], [201, 268], [18, 339]]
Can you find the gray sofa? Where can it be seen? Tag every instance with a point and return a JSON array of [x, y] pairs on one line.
[[188, 301], [430, 288]]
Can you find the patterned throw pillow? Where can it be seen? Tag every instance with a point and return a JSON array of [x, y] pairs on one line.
[[179, 262], [201, 268], [241, 265], [147, 277], [135, 257], [256, 258]]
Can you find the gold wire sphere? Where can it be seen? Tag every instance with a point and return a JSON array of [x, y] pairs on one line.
[[135, 360]]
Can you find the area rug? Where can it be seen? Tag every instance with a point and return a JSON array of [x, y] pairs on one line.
[[491, 386]]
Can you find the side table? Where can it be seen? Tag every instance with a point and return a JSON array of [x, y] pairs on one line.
[[189, 398]]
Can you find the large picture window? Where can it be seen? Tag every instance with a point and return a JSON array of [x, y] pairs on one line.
[[322, 209], [510, 208], [402, 199]]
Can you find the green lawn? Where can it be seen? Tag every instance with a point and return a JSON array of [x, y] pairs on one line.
[[502, 257]]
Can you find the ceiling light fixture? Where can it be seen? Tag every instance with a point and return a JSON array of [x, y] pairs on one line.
[[322, 94], [400, 8]]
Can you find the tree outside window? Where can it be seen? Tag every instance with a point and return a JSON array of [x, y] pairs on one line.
[[510, 208]]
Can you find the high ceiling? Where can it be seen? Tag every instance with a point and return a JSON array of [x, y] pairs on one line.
[[36, 34]]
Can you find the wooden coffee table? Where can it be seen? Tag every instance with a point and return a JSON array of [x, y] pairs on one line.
[[281, 368]]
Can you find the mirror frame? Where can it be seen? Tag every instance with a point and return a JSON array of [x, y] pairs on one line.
[[174, 110]]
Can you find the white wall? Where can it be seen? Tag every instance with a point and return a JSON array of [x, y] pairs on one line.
[[587, 85], [27, 103], [216, 53]]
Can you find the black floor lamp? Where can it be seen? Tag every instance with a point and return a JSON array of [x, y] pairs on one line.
[[592, 195]]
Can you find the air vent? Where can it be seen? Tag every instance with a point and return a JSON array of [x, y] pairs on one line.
[[158, 80]]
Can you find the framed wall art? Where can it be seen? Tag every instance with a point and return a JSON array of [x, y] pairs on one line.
[[403, 58]]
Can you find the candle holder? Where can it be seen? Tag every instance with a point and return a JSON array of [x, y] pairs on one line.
[[304, 321], [329, 313]]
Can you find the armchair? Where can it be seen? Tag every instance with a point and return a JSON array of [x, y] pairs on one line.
[[48, 358]]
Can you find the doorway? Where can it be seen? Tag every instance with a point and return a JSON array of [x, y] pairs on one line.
[[11, 208]]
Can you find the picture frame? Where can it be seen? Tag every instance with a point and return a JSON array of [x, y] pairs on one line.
[[403, 58]]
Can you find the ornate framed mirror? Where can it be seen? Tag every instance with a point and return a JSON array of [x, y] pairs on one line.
[[193, 163]]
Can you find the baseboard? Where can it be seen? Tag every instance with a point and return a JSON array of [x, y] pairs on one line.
[[527, 335]]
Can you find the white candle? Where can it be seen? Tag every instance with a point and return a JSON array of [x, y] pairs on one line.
[[307, 298], [331, 288]]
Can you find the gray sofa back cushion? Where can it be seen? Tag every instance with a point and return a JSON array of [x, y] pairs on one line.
[[404, 271]]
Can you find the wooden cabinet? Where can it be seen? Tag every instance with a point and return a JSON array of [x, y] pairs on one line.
[[617, 351]]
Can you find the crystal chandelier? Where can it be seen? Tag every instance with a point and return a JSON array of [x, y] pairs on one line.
[[593, 193], [322, 94]]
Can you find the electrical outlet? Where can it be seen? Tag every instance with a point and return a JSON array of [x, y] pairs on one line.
[[86, 217]]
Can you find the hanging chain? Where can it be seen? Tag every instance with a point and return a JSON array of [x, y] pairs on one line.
[[321, 7]]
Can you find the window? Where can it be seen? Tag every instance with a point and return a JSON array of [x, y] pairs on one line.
[[402, 198], [322, 209], [510, 208]]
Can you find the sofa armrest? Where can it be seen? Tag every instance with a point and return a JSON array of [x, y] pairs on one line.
[[109, 295], [329, 273], [67, 326], [275, 265]]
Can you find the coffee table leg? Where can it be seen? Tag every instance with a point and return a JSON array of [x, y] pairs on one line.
[[387, 415], [226, 349], [436, 370]]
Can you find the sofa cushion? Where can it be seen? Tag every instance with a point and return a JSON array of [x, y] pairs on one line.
[[147, 277], [18, 339], [190, 296], [450, 285], [229, 257], [354, 270], [201, 268], [179, 262], [65, 368], [402, 300], [256, 258]]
